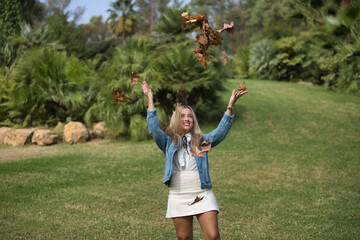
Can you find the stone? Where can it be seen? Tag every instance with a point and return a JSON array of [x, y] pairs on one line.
[[19, 137], [75, 132], [98, 130], [44, 137], [3, 132]]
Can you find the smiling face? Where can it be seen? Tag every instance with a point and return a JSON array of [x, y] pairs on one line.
[[187, 120]]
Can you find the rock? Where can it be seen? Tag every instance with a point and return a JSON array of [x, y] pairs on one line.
[[3, 132], [19, 137], [44, 137], [98, 130], [75, 132]]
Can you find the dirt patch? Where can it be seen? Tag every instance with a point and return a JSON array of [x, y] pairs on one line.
[[9, 153]]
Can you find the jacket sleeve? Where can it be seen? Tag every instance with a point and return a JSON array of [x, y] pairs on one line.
[[218, 134], [155, 131]]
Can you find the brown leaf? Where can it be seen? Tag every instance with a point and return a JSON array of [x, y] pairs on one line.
[[225, 57], [197, 199], [229, 28], [205, 147], [201, 59], [135, 77], [242, 86], [119, 96], [207, 38], [201, 40]]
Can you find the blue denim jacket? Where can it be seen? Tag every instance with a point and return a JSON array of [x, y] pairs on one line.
[[167, 145]]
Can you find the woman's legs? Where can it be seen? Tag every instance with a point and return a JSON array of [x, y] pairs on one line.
[[209, 225], [184, 227]]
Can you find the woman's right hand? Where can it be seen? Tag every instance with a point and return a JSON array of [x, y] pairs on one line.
[[148, 94], [147, 90]]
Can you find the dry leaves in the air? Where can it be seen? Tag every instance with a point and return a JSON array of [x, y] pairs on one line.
[[229, 28], [207, 38], [135, 77], [242, 86], [119, 96], [226, 61], [197, 199], [205, 147]]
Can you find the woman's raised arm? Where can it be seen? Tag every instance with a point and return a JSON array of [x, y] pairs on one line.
[[148, 94]]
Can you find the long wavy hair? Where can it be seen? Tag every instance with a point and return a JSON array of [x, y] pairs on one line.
[[175, 129]]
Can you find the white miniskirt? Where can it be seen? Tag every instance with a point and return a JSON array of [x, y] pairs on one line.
[[186, 198]]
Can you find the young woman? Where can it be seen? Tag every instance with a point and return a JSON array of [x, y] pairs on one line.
[[187, 170]]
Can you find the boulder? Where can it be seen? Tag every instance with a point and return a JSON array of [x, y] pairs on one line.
[[19, 137], [98, 130], [44, 137], [75, 132], [3, 132]]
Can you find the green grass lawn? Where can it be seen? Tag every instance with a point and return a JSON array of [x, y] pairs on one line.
[[289, 169]]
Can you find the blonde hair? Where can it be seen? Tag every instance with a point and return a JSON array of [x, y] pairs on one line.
[[175, 129]]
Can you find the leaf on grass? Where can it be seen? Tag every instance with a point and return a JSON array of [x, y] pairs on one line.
[[197, 199], [119, 96], [242, 86], [226, 61], [205, 147], [229, 28], [135, 77]]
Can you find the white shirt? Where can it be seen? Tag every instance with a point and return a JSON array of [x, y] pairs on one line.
[[183, 160]]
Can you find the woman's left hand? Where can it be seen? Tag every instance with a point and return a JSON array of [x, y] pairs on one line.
[[235, 96]]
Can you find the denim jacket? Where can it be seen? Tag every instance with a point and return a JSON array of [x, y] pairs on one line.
[[167, 145]]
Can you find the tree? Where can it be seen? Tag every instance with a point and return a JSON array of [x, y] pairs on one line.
[[122, 21]]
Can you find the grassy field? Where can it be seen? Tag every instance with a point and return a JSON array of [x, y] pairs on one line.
[[289, 169]]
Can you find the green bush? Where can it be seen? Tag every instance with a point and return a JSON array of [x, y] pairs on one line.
[[48, 87]]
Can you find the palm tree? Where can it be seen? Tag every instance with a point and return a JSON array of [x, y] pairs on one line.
[[122, 21]]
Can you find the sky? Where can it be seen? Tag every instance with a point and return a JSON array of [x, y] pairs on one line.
[[92, 8]]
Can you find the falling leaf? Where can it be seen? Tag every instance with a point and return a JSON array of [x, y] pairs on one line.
[[201, 39], [205, 147], [225, 57], [200, 57], [119, 96], [229, 28], [135, 78], [207, 38], [242, 86], [197, 199]]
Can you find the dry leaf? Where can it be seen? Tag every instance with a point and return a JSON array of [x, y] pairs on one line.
[[242, 86], [205, 147], [207, 38], [135, 77], [119, 96], [225, 57], [197, 199], [229, 28]]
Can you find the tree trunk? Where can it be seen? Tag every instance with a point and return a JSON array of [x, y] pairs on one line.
[[151, 15], [181, 96]]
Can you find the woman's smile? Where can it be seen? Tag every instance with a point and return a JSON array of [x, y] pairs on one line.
[[187, 119]]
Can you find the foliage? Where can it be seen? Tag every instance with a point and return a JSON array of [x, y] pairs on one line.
[[48, 87], [184, 80], [262, 59], [128, 119], [124, 24], [241, 62]]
